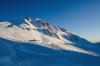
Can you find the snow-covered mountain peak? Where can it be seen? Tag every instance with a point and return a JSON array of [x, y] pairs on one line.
[[27, 19], [41, 32], [37, 19]]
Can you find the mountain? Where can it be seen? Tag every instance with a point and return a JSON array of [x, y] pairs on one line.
[[36, 42]]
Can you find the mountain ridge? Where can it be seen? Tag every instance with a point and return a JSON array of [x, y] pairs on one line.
[[41, 32]]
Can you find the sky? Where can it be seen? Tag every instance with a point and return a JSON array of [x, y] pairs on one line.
[[81, 17]]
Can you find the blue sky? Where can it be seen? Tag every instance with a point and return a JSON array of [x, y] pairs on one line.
[[79, 16]]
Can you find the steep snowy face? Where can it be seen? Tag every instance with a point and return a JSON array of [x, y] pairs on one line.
[[42, 26], [33, 30], [41, 32]]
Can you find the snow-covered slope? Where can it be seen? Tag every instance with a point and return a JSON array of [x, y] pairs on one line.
[[30, 54], [42, 33]]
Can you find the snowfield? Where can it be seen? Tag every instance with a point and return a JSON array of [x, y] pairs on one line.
[[36, 43]]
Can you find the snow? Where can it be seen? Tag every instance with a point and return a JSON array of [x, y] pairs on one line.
[[49, 37], [5, 23], [37, 19], [26, 54]]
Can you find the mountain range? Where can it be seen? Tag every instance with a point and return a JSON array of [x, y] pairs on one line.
[[36, 42]]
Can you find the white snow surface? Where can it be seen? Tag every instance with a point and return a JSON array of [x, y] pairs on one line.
[[28, 32]]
